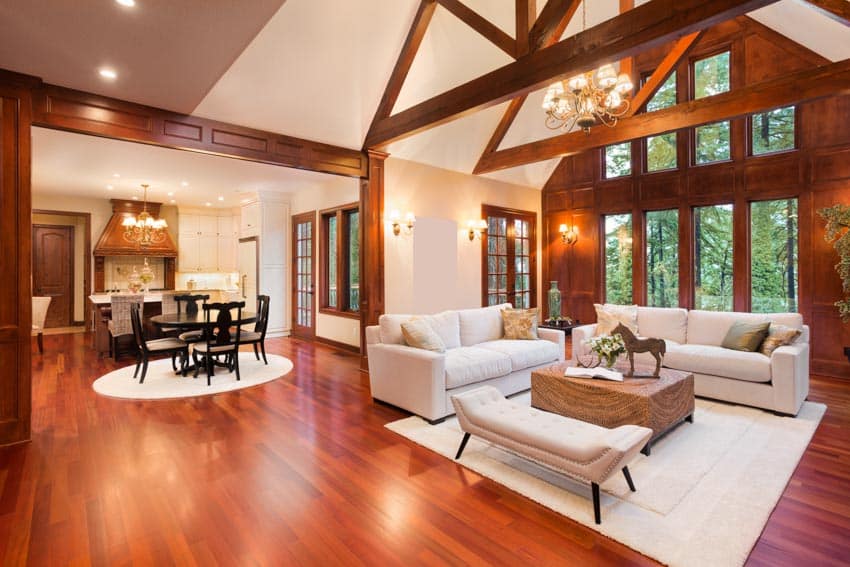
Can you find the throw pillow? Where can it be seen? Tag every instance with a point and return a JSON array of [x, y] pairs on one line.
[[608, 316], [419, 334], [745, 336], [520, 323], [777, 336]]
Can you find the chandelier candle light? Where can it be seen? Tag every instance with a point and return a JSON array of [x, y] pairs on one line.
[[144, 229]]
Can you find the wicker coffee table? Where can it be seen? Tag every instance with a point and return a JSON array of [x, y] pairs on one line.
[[658, 403]]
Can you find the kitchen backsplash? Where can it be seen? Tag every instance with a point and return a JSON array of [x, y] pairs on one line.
[[118, 268], [216, 280]]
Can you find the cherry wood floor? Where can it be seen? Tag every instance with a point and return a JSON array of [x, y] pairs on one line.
[[302, 471]]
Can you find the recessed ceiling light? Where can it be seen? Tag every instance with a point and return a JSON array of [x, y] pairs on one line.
[[116, 175], [110, 187], [127, 3], [170, 193], [173, 201], [184, 183], [107, 73], [135, 198], [209, 204], [220, 198]]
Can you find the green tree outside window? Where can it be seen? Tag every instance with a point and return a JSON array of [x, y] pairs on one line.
[[773, 131], [711, 75], [618, 259], [712, 143], [618, 160], [661, 152], [713, 258], [662, 258], [773, 256]]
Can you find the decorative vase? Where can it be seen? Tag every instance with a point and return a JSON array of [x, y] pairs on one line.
[[146, 276], [554, 296], [610, 360]]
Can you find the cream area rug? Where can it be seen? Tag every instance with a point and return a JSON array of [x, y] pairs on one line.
[[161, 382], [703, 496]]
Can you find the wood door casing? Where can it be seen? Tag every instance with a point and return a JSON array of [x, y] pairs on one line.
[[304, 275], [53, 271]]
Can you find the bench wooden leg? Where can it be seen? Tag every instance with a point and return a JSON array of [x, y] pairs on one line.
[[597, 515], [462, 445], [628, 478]]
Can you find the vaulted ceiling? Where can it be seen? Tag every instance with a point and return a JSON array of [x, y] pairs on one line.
[[314, 69]]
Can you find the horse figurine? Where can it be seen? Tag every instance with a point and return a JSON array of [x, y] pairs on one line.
[[657, 347]]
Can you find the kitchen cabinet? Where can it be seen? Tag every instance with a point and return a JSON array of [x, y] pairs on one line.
[[207, 243], [249, 224]]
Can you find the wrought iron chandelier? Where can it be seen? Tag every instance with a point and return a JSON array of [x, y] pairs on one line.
[[587, 98], [144, 230]]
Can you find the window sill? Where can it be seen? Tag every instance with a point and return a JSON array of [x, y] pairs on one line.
[[338, 313], [773, 153]]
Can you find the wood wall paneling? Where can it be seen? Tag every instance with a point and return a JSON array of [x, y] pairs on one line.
[[817, 172], [371, 248], [15, 263], [76, 111]]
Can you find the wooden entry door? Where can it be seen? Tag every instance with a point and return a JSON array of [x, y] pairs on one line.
[[304, 275], [53, 271]]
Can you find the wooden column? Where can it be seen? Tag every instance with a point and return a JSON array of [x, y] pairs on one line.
[[371, 248], [15, 259]]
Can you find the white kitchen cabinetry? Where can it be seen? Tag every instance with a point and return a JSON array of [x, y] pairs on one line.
[[250, 220], [207, 243]]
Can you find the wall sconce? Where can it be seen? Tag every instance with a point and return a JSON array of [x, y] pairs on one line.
[[476, 228], [409, 221], [568, 235]]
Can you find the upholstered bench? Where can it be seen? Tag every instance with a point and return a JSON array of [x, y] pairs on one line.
[[583, 451]]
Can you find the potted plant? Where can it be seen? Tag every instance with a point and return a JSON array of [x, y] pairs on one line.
[[837, 219]]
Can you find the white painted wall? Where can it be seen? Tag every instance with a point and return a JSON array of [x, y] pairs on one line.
[[338, 191], [437, 267]]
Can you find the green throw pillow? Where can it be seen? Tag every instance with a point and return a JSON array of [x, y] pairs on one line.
[[745, 336]]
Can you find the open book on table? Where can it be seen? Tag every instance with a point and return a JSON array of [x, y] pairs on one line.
[[604, 373]]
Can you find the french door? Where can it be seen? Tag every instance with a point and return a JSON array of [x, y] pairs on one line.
[[509, 270], [304, 275]]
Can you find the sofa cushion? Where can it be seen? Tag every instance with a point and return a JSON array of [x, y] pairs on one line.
[[391, 328], [718, 361], [777, 336], [608, 316], [669, 323], [419, 334], [524, 354], [481, 325], [745, 336], [520, 324], [710, 327], [468, 365], [447, 325]]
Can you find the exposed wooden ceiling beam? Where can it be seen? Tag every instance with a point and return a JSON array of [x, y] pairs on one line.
[[551, 23], [646, 26], [526, 11], [405, 59], [504, 125], [480, 24], [838, 10], [810, 84], [659, 76]]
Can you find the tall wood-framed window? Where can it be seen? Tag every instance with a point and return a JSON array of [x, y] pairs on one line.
[[340, 265], [509, 257]]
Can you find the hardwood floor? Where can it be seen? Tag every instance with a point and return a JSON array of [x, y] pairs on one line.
[[302, 471]]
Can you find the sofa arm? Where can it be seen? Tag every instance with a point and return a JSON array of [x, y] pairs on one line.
[[789, 370], [410, 378], [580, 335], [554, 336]]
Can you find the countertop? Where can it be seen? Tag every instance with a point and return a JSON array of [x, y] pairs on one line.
[[153, 297]]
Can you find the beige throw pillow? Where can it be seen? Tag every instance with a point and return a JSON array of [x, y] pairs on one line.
[[608, 316], [520, 323], [419, 334], [745, 336], [777, 336]]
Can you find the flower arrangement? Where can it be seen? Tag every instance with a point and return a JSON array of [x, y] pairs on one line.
[[607, 347]]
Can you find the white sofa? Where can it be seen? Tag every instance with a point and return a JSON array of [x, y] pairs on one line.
[[422, 381], [779, 383]]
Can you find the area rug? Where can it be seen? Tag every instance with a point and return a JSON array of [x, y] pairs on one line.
[[162, 383], [703, 496]]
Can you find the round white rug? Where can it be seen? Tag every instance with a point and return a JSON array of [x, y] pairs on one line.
[[162, 382]]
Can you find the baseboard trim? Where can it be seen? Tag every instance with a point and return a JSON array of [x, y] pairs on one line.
[[337, 344]]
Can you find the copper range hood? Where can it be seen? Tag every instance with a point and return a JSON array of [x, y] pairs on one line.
[[113, 243]]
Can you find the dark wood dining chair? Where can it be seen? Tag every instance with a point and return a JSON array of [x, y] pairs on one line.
[[188, 303], [218, 339], [257, 337], [145, 349]]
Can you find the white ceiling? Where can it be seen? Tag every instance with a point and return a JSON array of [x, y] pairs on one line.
[[167, 53], [314, 69], [72, 164]]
